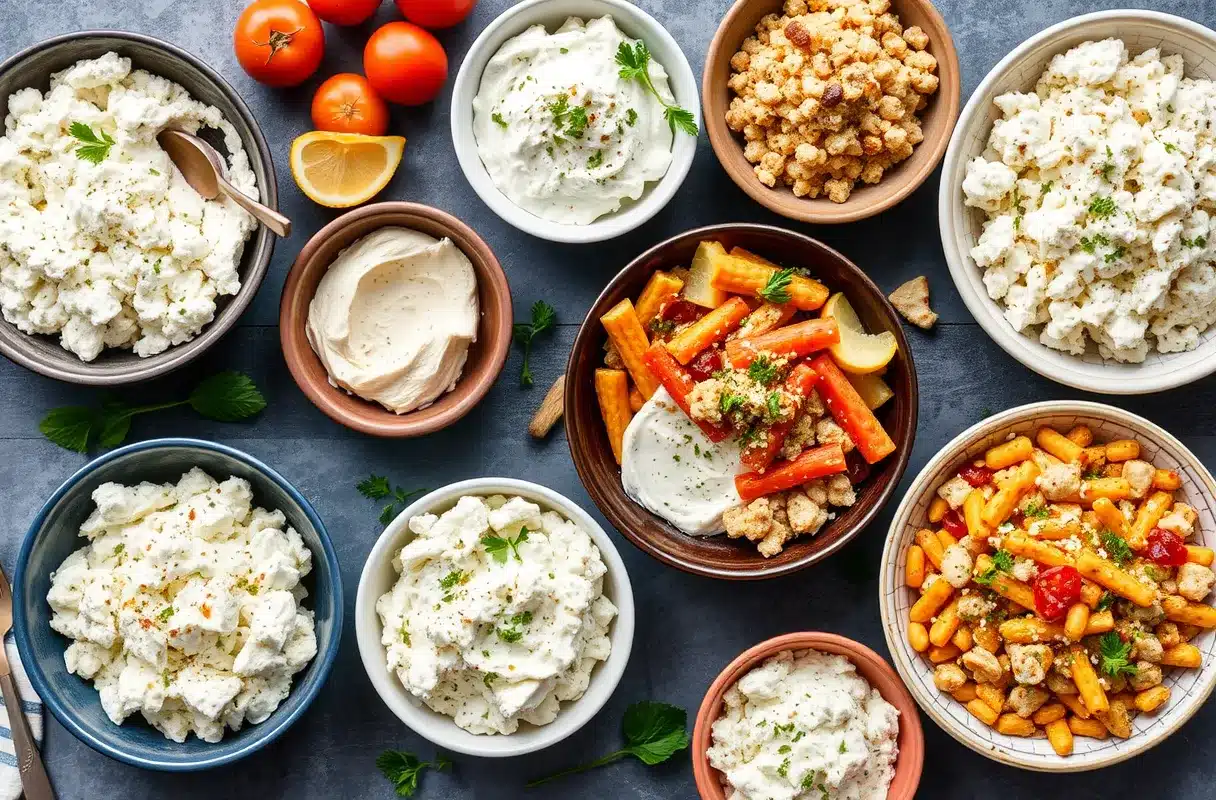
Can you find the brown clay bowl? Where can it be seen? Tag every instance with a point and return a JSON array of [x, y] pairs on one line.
[[718, 556], [871, 666], [486, 356], [937, 119]]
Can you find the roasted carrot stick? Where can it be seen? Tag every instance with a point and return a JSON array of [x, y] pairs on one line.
[[793, 341], [662, 287], [817, 463], [679, 384], [612, 391], [851, 412], [626, 332], [745, 276], [708, 330], [759, 455]]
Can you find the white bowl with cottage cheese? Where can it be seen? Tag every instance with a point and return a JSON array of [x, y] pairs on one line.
[[1078, 221], [580, 188], [486, 639]]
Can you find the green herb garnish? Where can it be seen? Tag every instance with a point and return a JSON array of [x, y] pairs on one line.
[[635, 65], [1036, 511], [543, 319], [498, 118], [772, 405], [1116, 548], [763, 371], [1198, 241], [595, 159], [1102, 207], [1115, 654], [631, 117], [451, 579], [1106, 601], [94, 148], [571, 121], [403, 769], [499, 547], [1091, 243], [729, 403], [1002, 561], [377, 487], [776, 288], [164, 614]]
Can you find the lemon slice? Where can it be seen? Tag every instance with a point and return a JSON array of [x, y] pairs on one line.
[[857, 352], [340, 170]]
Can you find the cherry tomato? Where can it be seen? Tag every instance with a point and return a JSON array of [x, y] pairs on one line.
[[344, 12], [405, 64], [975, 475], [681, 312], [278, 42], [436, 13], [346, 103], [1055, 591], [703, 367], [954, 525], [1165, 548]]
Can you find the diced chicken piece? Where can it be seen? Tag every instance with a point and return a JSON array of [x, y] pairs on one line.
[[1147, 676], [954, 491], [805, 515], [956, 565], [1195, 581], [1147, 647], [1117, 719], [1180, 520], [1030, 662], [972, 607], [1060, 684], [1025, 700], [984, 666], [840, 491], [1060, 481], [828, 432], [1139, 475], [948, 677]]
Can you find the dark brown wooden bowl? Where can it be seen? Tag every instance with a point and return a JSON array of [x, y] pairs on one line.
[[718, 556]]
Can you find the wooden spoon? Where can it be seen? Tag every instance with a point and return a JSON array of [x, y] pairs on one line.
[[204, 170]]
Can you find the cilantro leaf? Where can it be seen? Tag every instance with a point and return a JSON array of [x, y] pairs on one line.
[[681, 119], [93, 148], [776, 289], [227, 397], [69, 427], [497, 547], [634, 64], [374, 487], [403, 769], [1115, 654], [388, 514], [544, 318]]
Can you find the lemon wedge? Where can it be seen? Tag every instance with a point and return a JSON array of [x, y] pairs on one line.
[[340, 170], [857, 352]]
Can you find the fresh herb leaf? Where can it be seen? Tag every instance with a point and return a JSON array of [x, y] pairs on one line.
[[451, 579], [498, 118], [388, 514], [500, 548], [164, 614], [1198, 241], [489, 679], [776, 288], [94, 148], [631, 117], [1091, 243], [374, 487], [772, 406], [1170, 148], [522, 618], [227, 397], [544, 317], [403, 769], [784, 769], [1106, 601], [1115, 655], [634, 63], [69, 427], [1036, 511], [570, 121], [509, 635], [377, 487], [654, 732], [729, 403], [596, 159], [763, 371], [1114, 255], [1102, 207], [1002, 561], [1116, 548]]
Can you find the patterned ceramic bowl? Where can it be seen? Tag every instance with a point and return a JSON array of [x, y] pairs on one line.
[[961, 226], [1189, 688]]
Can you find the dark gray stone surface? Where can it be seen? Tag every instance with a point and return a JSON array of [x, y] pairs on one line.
[[688, 627]]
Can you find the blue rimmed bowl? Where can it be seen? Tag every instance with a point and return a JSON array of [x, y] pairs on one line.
[[54, 535]]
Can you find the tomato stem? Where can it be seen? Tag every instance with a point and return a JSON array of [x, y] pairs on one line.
[[277, 41]]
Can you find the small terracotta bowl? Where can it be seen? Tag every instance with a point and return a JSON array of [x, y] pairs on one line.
[[937, 119], [718, 556], [871, 666], [486, 356]]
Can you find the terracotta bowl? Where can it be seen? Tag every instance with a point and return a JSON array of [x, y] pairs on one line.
[[718, 556], [486, 356], [871, 666], [937, 119]]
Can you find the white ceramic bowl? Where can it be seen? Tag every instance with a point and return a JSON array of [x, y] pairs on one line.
[[961, 226], [379, 577], [634, 22], [1189, 688]]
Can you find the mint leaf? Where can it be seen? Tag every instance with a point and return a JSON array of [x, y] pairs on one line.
[[227, 397], [69, 427]]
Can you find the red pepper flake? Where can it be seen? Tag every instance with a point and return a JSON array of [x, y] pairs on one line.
[[206, 609], [145, 623], [190, 516]]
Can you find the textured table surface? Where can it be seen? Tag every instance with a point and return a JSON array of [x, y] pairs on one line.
[[688, 627]]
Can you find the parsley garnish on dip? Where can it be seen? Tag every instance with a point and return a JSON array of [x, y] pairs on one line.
[[561, 132]]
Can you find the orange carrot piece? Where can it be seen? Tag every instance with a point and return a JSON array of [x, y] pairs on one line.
[[741, 275], [748, 255], [636, 401], [612, 391], [767, 317], [708, 330], [851, 412], [661, 288], [757, 457], [626, 332], [793, 341], [816, 463], [679, 384]]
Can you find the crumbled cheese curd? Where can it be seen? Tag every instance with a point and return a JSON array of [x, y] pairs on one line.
[[492, 626], [1098, 190], [805, 725], [185, 606], [119, 253]]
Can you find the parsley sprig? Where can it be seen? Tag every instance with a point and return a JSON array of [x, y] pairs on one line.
[[93, 148], [1116, 655], [500, 547], [654, 732], [544, 318], [225, 397], [403, 769], [776, 288], [377, 487], [635, 65]]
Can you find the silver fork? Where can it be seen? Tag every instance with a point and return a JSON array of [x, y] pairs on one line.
[[34, 779]]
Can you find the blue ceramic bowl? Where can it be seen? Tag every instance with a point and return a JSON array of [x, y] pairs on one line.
[[54, 535]]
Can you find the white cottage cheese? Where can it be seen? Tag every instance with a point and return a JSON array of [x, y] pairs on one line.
[[185, 606], [1099, 190], [804, 725], [491, 626], [121, 253]]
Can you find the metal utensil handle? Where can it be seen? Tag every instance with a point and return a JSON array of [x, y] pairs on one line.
[[29, 763], [278, 223]]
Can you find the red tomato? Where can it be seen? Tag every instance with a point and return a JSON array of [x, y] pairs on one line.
[[346, 103], [954, 525], [1055, 591], [703, 367], [278, 42], [344, 12], [1165, 548], [436, 13], [975, 475], [405, 64], [681, 312]]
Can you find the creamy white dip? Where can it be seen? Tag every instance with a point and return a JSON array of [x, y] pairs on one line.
[[804, 725], [528, 118], [393, 318], [491, 626], [669, 467]]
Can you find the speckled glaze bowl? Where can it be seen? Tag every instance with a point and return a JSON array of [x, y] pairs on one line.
[[1189, 688], [54, 535], [870, 665], [117, 367]]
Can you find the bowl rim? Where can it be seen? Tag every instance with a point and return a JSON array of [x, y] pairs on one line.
[[444, 733], [293, 324], [726, 146], [590, 328], [323, 662], [893, 628], [1027, 350], [224, 320], [655, 196], [706, 777]]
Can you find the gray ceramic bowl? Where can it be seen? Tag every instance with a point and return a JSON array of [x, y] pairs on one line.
[[54, 534], [114, 367]]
